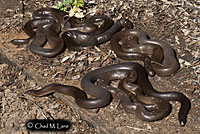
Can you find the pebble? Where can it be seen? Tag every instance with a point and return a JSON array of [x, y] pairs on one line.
[[75, 77], [54, 106]]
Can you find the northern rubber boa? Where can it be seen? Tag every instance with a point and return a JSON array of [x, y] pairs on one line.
[[145, 107], [29, 27], [41, 17], [47, 22], [76, 40], [143, 82], [101, 97], [51, 35], [168, 96], [76, 34], [93, 25], [158, 56]]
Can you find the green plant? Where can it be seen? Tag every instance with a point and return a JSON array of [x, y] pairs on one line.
[[78, 3], [75, 3]]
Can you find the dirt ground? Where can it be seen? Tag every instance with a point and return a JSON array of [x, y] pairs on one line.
[[175, 21]]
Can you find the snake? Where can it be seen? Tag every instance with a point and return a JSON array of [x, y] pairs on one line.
[[61, 31], [47, 22], [146, 108], [168, 96], [41, 17], [76, 32], [77, 40], [158, 56], [100, 98], [29, 27], [101, 95], [143, 82]]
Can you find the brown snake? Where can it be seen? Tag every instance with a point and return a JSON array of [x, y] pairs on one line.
[[135, 45], [53, 26], [102, 96]]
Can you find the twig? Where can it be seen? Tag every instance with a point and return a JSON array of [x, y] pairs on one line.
[[195, 38], [23, 9], [138, 129]]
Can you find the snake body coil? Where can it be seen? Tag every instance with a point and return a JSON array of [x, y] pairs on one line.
[[158, 56]]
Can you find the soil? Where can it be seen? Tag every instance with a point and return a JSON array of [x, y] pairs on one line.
[[174, 21]]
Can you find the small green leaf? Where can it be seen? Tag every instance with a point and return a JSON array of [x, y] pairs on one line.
[[81, 1], [75, 3], [59, 4], [67, 2]]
